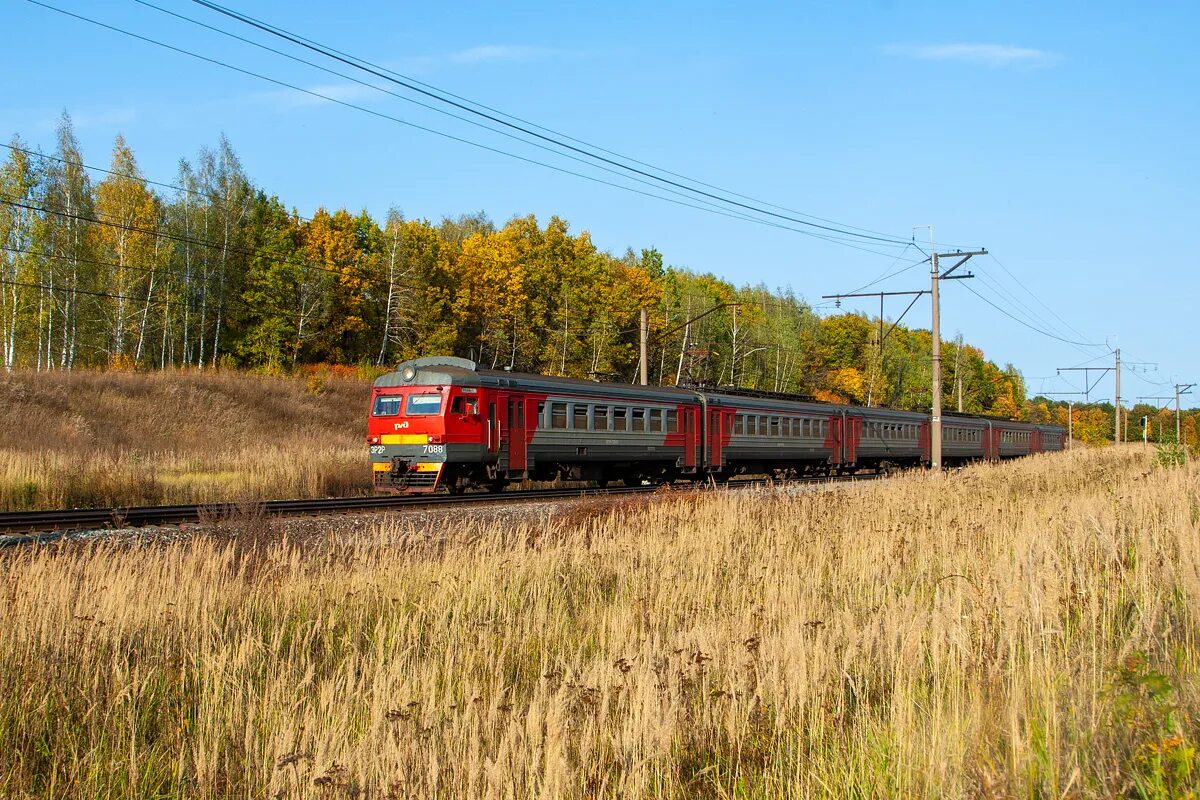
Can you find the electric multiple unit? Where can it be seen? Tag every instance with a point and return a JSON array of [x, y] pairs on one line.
[[445, 422]]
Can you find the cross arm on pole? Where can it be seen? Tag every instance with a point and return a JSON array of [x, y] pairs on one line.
[[1087, 375], [962, 259], [1163, 408], [872, 294]]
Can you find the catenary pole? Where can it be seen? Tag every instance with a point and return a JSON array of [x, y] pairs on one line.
[[935, 417], [645, 347], [1117, 412]]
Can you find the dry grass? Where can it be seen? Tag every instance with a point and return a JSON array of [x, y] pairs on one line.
[[122, 438], [1027, 629]]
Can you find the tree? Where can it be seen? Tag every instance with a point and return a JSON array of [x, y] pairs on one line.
[[129, 247], [18, 181]]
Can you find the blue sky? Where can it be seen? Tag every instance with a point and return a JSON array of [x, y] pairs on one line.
[[1059, 136]]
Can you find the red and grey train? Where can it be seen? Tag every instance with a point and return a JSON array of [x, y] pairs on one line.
[[445, 422]]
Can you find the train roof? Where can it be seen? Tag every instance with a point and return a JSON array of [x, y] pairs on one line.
[[452, 371]]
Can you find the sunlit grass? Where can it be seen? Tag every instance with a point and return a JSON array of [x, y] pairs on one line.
[[101, 439], [1026, 629]]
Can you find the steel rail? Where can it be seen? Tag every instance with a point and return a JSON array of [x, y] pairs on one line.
[[32, 527]]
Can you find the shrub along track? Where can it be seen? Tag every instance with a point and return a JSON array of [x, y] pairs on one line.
[[33, 527]]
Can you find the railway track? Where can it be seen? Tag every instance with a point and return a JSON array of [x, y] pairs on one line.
[[31, 527]]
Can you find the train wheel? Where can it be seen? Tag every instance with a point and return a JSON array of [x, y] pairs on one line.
[[632, 480], [497, 486]]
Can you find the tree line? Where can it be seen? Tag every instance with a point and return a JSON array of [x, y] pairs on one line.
[[102, 268]]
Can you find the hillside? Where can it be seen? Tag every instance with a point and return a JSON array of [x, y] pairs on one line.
[[122, 438]]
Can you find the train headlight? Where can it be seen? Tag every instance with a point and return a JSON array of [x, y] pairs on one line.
[[408, 373]]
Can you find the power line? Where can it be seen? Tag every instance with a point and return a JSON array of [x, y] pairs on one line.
[[361, 61], [707, 208], [435, 109], [1026, 324], [361, 65], [1017, 305], [467, 120], [1037, 299]]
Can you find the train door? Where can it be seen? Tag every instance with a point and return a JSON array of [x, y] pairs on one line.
[[515, 434], [716, 437], [835, 439], [493, 424], [691, 437]]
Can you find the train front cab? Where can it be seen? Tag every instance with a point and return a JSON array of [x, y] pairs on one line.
[[424, 429]]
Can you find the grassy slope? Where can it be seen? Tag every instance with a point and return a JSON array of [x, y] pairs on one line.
[[112, 438], [1017, 630]]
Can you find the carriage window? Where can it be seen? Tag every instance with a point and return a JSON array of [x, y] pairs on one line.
[[541, 420], [558, 416], [600, 419], [387, 405], [655, 420], [762, 426], [424, 404], [464, 405], [739, 424], [774, 426], [672, 421], [639, 419], [620, 418], [579, 418]]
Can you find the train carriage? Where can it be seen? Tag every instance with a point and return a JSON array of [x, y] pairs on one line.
[[891, 438], [764, 435]]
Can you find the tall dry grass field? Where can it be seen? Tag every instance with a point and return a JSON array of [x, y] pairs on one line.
[[1027, 629], [70, 439]]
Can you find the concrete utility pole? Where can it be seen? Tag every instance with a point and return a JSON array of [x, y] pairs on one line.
[[1070, 415], [645, 348], [935, 278], [1117, 412], [935, 415], [1070, 424], [1178, 391]]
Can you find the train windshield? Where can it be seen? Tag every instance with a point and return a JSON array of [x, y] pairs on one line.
[[424, 404], [387, 405]]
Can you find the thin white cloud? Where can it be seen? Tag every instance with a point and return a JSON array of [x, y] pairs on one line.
[[988, 55], [480, 55], [491, 53]]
